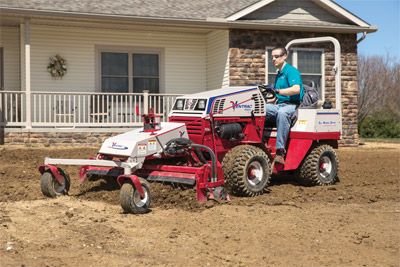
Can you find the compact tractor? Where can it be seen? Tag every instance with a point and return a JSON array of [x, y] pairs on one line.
[[212, 141]]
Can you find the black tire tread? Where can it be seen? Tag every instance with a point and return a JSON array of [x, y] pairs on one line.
[[46, 184], [234, 164], [126, 194], [308, 172]]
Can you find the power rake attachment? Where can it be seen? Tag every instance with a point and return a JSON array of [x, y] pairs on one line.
[[158, 152]]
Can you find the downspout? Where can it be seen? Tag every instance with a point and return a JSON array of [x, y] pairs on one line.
[[27, 42], [362, 37]]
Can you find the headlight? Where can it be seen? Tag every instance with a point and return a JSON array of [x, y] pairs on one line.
[[201, 104], [179, 104]]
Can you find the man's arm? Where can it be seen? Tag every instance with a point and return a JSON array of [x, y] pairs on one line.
[[293, 90]]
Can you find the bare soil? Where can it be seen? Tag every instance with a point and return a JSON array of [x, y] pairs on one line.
[[352, 223]]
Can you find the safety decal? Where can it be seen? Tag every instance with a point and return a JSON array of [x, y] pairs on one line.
[[142, 149], [152, 145], [302, 125]]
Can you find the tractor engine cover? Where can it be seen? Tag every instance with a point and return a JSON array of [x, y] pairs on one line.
[[230, 131], [139, 144]]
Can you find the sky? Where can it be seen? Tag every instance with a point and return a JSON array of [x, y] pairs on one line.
[[385, 14]]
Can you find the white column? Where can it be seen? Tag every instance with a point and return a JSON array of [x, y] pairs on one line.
[[146, 102], [27, 32]]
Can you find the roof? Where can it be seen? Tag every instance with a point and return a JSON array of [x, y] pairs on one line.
[[230, 13], [181, 9]]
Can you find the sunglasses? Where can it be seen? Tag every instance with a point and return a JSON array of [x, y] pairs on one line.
[[277, 56]]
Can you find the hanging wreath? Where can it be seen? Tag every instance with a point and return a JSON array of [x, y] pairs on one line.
[[57, 66]]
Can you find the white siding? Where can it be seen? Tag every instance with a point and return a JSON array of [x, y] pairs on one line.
[[184, 56], [294, 10], [9, 40], [217, 59]]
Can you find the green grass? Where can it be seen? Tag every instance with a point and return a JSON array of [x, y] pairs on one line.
[[380, 140]]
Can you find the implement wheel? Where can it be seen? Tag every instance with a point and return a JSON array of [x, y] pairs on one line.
[[130, 199], [247, 170], [51, 187], [320, 167]]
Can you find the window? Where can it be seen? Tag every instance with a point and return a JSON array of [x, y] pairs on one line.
[[123, 72], [145, 73], [310, 62], [114, 72]]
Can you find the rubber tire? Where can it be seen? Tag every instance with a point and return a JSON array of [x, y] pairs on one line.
[[126, 197], [235, 165], [47, 181], [309, 174]]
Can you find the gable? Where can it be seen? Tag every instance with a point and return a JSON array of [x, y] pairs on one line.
[[295, 12]]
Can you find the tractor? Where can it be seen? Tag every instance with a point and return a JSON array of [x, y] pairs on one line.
[[216, 141]]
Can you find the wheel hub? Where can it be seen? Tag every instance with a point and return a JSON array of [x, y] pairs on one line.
[[137, 200], [325, 166], [255, 173], [59, 188]]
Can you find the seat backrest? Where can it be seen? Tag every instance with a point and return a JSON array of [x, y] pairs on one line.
[[310, 97]]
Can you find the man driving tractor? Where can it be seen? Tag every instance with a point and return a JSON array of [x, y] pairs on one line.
[[289, 92]]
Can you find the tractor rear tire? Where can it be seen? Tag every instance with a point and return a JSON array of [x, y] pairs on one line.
[[247, 170], [320, 167], [130, 198], [50, 187]]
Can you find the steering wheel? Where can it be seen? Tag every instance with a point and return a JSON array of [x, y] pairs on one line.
[[268, 93]]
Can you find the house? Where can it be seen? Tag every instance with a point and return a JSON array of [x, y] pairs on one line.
[[77, 71]]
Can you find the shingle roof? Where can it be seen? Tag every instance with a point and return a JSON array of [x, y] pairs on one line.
[[178, 9]]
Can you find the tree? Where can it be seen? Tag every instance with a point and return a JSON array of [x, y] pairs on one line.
[[379, 86]]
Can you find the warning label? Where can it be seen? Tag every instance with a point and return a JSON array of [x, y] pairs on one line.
[[152, 144], [142, 149]]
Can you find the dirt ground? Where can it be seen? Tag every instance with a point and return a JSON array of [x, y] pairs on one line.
[[352, 223]]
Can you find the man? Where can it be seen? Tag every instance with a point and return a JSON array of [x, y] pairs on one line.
[[289, 92]]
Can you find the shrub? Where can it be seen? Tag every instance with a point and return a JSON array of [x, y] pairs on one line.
[[380, 125]]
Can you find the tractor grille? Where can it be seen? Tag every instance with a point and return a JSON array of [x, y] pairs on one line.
[[219, 106], [194, 126], [258, 104]]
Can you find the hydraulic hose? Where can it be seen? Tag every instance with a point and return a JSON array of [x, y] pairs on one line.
[[184, 142], [213, 160]]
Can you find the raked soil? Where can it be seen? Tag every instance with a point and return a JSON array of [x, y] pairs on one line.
[[355, 222]]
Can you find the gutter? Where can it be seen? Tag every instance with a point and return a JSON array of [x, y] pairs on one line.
[[197, 23]]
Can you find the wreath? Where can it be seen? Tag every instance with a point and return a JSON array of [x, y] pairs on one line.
[[57, 66]]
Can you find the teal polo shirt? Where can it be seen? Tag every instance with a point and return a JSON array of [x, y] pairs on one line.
[[286, 78]]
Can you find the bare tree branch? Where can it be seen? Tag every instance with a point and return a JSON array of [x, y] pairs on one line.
[[379, 86]]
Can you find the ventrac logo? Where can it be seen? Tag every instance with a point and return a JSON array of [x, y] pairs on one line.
[[181, 133], [236, 105], [119, 147]]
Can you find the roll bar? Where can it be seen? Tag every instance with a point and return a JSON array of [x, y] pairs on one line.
[[337, 67]]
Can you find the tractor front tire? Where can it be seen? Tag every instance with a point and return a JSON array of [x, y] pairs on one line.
[[130, 199], [50, 187], [320, 167], [247, 170]]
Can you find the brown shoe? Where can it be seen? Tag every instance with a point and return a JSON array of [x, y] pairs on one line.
[[280, 156], [279, 159]]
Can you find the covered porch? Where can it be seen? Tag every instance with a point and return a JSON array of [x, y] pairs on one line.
[[63, 110], [93, 95]]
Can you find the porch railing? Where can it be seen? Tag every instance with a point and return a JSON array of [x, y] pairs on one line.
[[80, 110]]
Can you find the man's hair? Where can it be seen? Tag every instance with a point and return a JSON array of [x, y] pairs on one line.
[[283, 50]]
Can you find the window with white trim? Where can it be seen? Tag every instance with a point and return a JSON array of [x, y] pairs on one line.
[[123, 72], [310, 63]]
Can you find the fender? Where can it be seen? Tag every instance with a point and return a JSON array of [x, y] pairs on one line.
[[54, 171], [135, 181]]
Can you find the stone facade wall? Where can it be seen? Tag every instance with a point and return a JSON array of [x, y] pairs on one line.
[[56, 139], [247, 67]]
